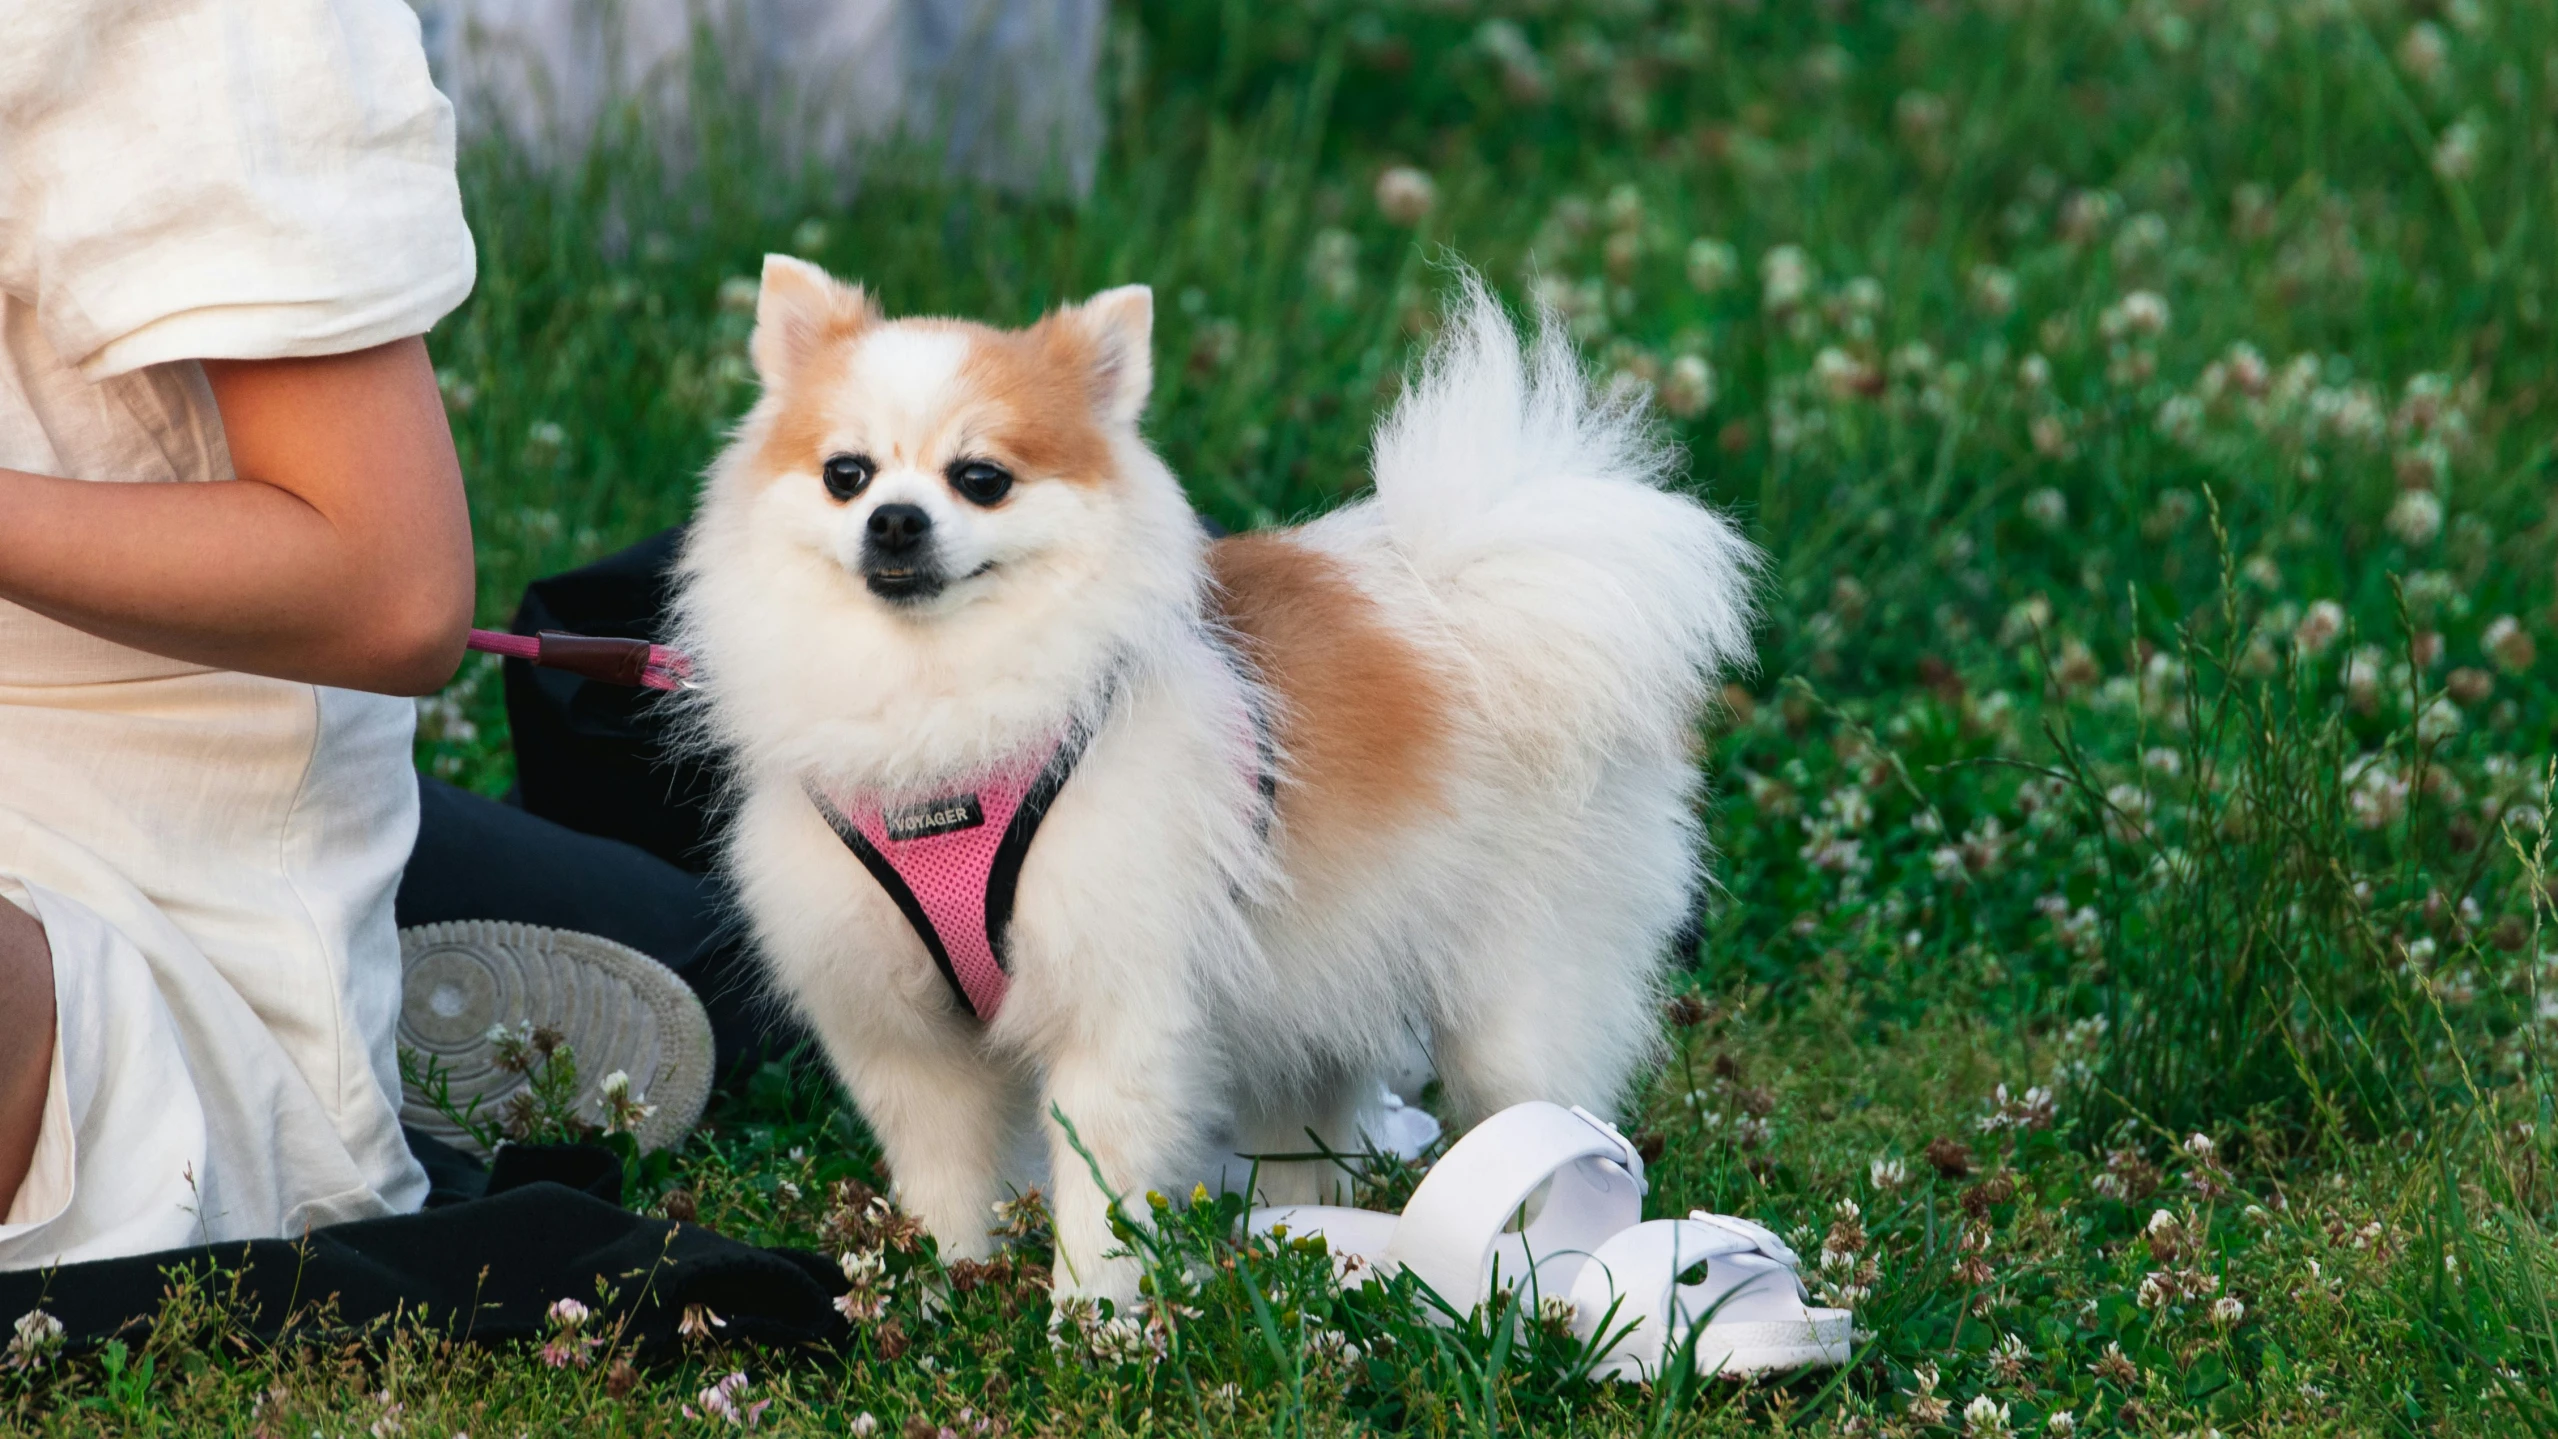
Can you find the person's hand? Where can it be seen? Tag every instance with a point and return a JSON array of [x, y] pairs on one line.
[[340, 556]]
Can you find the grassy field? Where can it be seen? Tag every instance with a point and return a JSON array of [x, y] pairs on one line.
[[2125, 980]]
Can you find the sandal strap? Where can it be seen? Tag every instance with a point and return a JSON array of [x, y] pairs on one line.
[[1448, 1231]]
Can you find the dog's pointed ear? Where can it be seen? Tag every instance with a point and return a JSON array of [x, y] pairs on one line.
[[1119, 325], [799, 309]]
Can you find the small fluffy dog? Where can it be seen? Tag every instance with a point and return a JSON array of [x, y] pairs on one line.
[[1422, 768]]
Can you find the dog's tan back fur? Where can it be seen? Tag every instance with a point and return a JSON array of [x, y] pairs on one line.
[[1363, 714]]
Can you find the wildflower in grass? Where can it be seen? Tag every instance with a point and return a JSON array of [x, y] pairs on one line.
[[2141, 239], [1845, 376], [739, 293], [1556, 1312], [1122, 1340], [2424, 53], [1524, 77], [2047, 508], [2319, 626], [1785, 278], [2416, 517], [1712, 265], [2116, 1367], [2507, 643], [865, 1424], [2140, 315], [2050, 434], [698, 1323], [1332, 265], [2375, 790], [1945, 864], [1920, 116], [2034, 1109], [2180, 418], [1688, 391], [2227, 1311], [2423, 465], [2010, 1358], [2361, 677], [567, 1347], [624, 1112], [866, 1271], [2034, 372], [1887, 1172], [723, 1403], [1985, 1418], [2061, 1424], [2128, 1177], [1406, 194], [2086, 213], [33, 1341], [1924, 1407], [1994, 291], [2439, 720]]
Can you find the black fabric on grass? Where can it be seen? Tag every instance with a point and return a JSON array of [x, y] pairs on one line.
[[487, 1270]]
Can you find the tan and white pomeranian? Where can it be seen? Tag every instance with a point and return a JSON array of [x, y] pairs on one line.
[[1423, 767]]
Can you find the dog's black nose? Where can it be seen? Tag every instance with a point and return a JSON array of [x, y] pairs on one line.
[[895, 529]]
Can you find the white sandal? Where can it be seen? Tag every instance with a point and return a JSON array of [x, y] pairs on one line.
[[1588, 1241], [1452, 1235], [1753, 1309]]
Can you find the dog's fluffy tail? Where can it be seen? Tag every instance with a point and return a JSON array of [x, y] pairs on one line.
[[1595, 606]]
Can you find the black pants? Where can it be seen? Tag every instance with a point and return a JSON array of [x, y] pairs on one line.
[[479, 859]]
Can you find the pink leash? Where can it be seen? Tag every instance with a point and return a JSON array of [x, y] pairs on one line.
[[597, 657]]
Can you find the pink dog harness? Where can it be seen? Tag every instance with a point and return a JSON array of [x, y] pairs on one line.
[[952, 863]]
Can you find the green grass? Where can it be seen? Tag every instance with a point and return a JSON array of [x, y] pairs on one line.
[[2122, 729]]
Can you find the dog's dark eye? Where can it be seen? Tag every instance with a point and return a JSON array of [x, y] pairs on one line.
[[846, 474], [979, 482]]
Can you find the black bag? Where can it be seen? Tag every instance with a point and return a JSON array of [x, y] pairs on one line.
[[594, 756]]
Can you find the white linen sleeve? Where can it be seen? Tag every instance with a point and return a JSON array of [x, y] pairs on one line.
[[235, 179]]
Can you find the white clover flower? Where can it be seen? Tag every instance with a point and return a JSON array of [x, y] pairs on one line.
[[2226, 1311], [2034, 372], [569, 1314], [1785, 277], [1332, 264], [1993, 290], [1712, 265], [2507, 643], [1985, 1418], [2416, 517], [2319, 627], [1406, 194], [1688, 391], [739, 292], [2180, 419], [2425, 53], [2142, 314], [35, 1338], [2047, 508], [1887, 1172]]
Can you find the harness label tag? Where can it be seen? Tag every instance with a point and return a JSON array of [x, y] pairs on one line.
[[947, 815]]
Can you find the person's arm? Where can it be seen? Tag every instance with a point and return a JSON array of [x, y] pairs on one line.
[[340, 556]]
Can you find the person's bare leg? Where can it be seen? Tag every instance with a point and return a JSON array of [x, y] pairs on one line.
[[26, 1043]]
